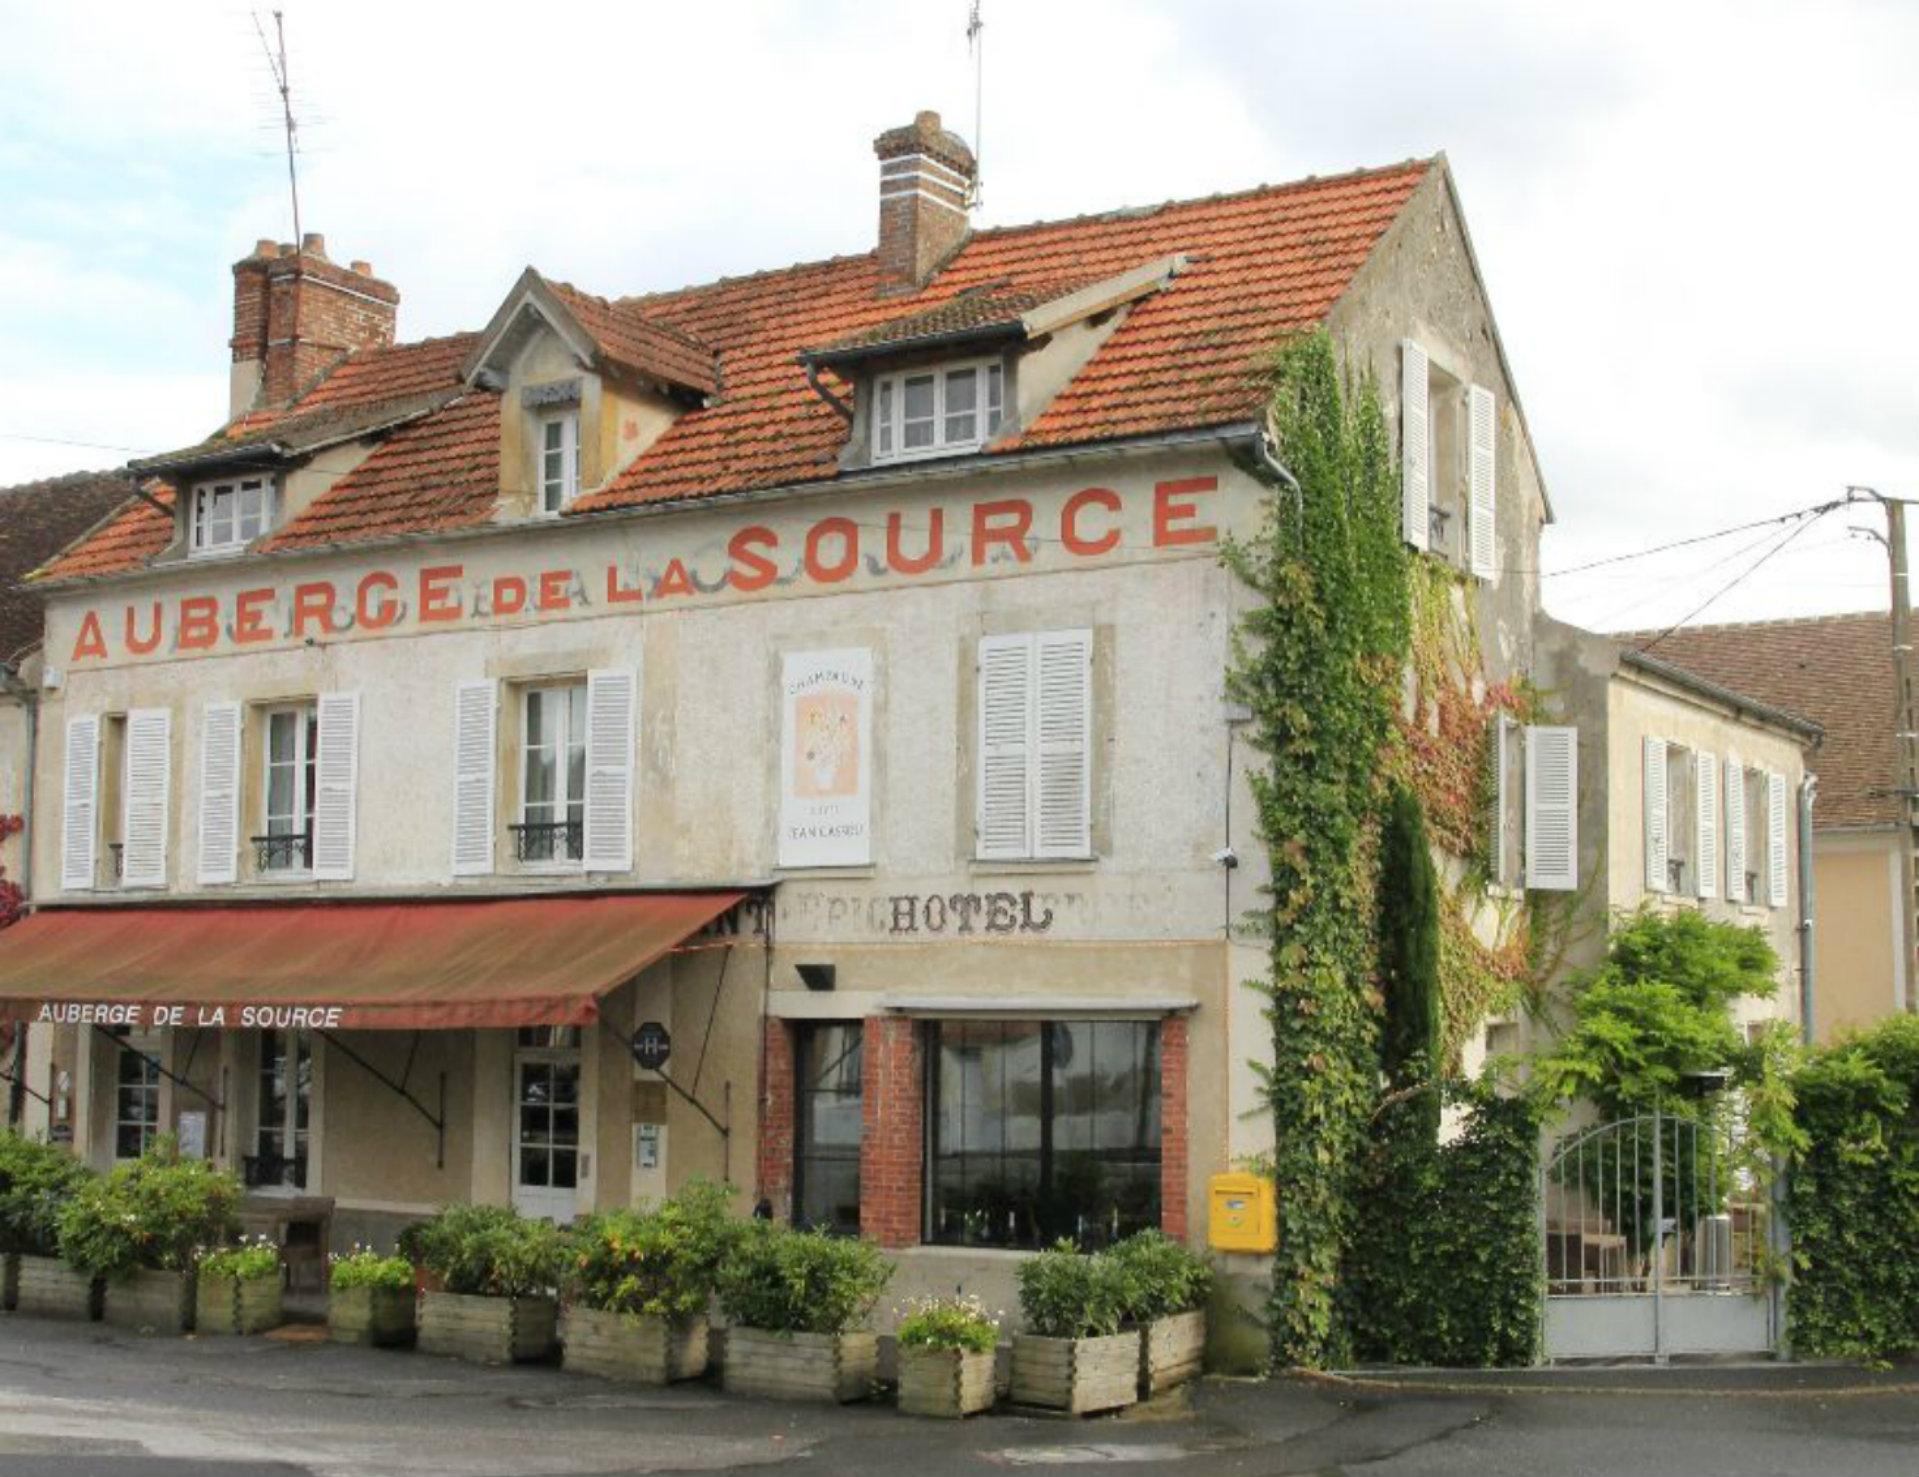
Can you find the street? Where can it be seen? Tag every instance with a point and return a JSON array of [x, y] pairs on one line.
[[77, 1400]]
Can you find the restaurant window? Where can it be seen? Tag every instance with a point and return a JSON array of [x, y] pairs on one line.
[[285, 1116], [1043, 1130], [552, 823], [546, 1124], [288, 788], [826, 1160], [136, 1095]]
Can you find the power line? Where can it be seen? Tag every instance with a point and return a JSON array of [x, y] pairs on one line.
[[1740, 578], [64, 441], [1817, 510]]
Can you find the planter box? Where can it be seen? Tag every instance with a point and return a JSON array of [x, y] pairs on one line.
[[48, 1288], [487, 1330], [376, 1317], [624, 1346], [151, 1302], [946, 1382], [230, 1305], [834, 1367], [1172, 1351], [9, 1280], [1076, 1375]]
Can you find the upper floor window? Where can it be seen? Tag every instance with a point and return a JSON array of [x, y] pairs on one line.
[[926, 412], [559, 460], [552, 824], [290, 785], [1035, 746], [230, 515]]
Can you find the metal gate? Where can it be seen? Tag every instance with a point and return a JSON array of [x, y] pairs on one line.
[[1657, 1231]]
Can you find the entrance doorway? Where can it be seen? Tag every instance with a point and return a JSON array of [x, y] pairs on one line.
[[546, 1122]]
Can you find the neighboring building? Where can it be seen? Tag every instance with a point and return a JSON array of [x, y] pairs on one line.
[[1836, 670]]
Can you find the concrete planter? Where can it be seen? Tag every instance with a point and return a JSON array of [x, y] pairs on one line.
[[487, 1330], [233, 1305], [375, 1317], [831, 1367], [624, 1346], [1172, 1351], [47, 1287], [949, 1383], [151, 1302], [1076, 1375]]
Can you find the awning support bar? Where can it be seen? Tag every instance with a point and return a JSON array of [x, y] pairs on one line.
[[400, 1087], [27, 1087], [154, 1062]]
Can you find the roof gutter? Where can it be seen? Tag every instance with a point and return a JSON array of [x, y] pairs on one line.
[[1737, 701], [984, 334]]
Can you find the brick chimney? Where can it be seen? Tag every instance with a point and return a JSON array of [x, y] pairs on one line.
[[294, 313], [926, 174]]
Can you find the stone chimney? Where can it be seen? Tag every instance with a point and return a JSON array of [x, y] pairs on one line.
[[294, 313], [926, 176]]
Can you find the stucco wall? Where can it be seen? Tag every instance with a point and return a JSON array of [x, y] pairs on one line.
[[1857, 950]]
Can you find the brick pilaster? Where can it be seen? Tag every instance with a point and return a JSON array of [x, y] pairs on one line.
[[892, 1143], [1174, 1137], [776, 1119]]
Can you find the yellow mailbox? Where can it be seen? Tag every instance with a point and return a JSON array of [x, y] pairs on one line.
[[1242, 1213]]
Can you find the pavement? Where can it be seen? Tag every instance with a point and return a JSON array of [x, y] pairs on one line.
[[78, 1400]]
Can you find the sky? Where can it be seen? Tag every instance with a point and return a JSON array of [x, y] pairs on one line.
[[1696, 219]]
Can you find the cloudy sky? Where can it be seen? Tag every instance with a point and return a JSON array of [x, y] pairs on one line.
[[1696, 218]]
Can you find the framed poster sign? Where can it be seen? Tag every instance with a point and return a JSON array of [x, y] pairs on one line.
[[826, 791]]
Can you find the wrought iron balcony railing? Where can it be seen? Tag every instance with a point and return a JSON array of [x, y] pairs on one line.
[[549, 841], [291, 851]]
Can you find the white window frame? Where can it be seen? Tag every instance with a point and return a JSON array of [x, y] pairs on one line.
[[556, 494], [145, 1049], [889, 410], [563, 800], [200, 540], [306, 759], [288, 1132]]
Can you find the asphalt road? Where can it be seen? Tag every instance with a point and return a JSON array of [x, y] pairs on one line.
[[78, 1401]]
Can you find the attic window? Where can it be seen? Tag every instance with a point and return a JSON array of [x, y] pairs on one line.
[[559, 460], [230, 515], [930, 412]]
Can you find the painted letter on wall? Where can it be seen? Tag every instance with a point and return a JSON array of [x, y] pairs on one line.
[[826, 778]]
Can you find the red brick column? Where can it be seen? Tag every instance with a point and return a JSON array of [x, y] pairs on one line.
[[776, 1119], [892, 1142], [1174, 1136]]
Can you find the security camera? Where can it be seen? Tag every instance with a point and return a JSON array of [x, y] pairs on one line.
[[1226, 857]]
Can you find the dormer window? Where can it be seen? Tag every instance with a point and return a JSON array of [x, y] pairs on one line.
[[229, 515], [559, 460], [931, 412]]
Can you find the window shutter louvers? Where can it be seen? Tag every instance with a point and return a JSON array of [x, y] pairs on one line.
[[80, 807], [1776, 840], [336, 783], [476, 708], [1552, 809], [219, 793], [1735, 832], [611, 695], [1483, 458], [1063, 719], [1005, 745], [1706, 812], [1658, 875], [1415, 445], [148, 787]]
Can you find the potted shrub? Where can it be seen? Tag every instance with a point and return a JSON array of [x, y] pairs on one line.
[[497, 1272], [946, 1349], [237, 1288], [1166, 1290], [1072, 1356], [370, 1299], [637, 1288], [36, 1181], [794, 1299], [138, 1230]]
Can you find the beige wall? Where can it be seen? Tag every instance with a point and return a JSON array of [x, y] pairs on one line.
[[1857, 890]]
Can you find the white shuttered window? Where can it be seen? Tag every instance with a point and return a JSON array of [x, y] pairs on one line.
[[612, 696], [1706, 824], [219, 793], [1657, 815], [1776, 840], [1415, 444], [336, 787], [1552, 808], [1035, 745], [1482, 447], [146, 793], [80, 805], [1735, 832], [476, 712]]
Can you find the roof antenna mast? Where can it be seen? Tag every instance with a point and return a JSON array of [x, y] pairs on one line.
[[976, 47], [277, 64]]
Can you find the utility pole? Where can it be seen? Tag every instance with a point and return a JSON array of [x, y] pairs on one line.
[[1905, 727]]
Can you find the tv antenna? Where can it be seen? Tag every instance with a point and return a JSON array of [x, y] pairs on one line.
[[976, 48], [276, 51]]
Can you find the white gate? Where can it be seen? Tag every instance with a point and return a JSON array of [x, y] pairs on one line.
[[1657, 1232]]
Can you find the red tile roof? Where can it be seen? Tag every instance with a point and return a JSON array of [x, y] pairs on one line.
[[630, 338], [125, 541], [37, 519], [995, 305]]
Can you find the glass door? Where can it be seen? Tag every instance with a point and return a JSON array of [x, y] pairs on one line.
[[546, 1122]]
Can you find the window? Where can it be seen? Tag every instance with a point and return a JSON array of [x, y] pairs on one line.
[[1682, 809], [927, 412], [285, 1110], [1035, 746], [552, 825], [1447, 536], [290, 784], [113, 796], [826, 1159], [559, 460], [1534, 840], [230, 515], [136, 1096], [1042, 1130], [1758, 834], [546, 1124]]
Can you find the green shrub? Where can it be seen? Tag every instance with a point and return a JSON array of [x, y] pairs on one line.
[[1066, 1294], [252, 1260], [949, 1323], [1160, 1277], [490, 1251], [365, 1267], [155, 1212], [659, 1264], [36, 1181], [787, 1281]]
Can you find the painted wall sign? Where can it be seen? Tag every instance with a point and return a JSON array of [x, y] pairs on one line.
[[197, 1017], [826, 747]]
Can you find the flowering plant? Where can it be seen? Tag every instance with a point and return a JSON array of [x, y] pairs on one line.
[[365, 1267], [949, 1323], [658, 1264], [155, 1212], [251, 1259]]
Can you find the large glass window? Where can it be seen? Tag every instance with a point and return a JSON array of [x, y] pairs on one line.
[[285, 1117], [826, 1166], [1042, 1130], [552, 826], [136, 1097]]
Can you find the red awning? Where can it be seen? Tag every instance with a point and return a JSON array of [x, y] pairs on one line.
[[345, 965]]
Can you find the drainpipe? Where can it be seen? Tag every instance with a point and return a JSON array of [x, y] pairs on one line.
[[30, 702], [1808, 790]]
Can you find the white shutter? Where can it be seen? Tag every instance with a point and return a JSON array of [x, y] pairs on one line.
[[80, 806], [1658, 874], [476, 708], [1005, 746], [1735, 832], [219, 793], [1415, 445], [610, 698], [1062, 798], [1552, 809], [336, 786], [1776, 840], [148, 787], [1502, 795], [1482, 448], [1706, 830]]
